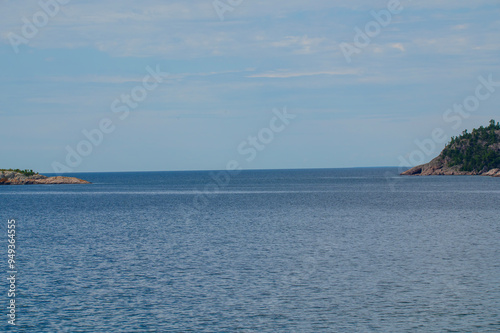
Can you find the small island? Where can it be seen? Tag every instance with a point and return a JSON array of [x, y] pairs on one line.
[[29, 177], [475, 153]]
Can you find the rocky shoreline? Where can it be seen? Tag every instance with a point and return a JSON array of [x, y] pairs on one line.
[[439, 167], [17, 178]]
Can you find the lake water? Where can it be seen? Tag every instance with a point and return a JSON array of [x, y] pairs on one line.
[[340, 250]]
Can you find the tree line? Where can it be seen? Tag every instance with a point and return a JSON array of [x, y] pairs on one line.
[[25, 172], [474, 151]]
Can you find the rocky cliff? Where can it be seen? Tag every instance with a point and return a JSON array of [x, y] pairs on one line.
[[475, 153], [17, 178]]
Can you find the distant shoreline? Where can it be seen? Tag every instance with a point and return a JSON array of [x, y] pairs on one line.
[[8, 177]]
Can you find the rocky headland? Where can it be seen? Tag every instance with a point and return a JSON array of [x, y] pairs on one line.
[[8, 177], [475, 153]]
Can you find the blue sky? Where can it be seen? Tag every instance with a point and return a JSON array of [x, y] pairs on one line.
[[226, 77]]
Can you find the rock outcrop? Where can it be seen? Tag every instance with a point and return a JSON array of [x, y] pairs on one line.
[[492, 173], [17, 178], [438, 167]]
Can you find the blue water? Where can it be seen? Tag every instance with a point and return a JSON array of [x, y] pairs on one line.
[[342, 250]]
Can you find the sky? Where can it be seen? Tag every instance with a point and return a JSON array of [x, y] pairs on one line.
[[90, 86]]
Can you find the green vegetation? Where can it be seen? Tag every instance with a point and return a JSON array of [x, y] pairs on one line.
[[476, 151], [25, 172]]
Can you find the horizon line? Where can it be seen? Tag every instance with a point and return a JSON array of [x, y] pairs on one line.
[[218, 170]]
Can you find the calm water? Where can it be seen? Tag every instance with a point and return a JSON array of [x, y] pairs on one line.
[[351, 250]]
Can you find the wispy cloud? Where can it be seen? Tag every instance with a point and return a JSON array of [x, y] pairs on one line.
[[96, 79], [460, 27], [398, 46], [287, 74], [137, 79], [300, 44]]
